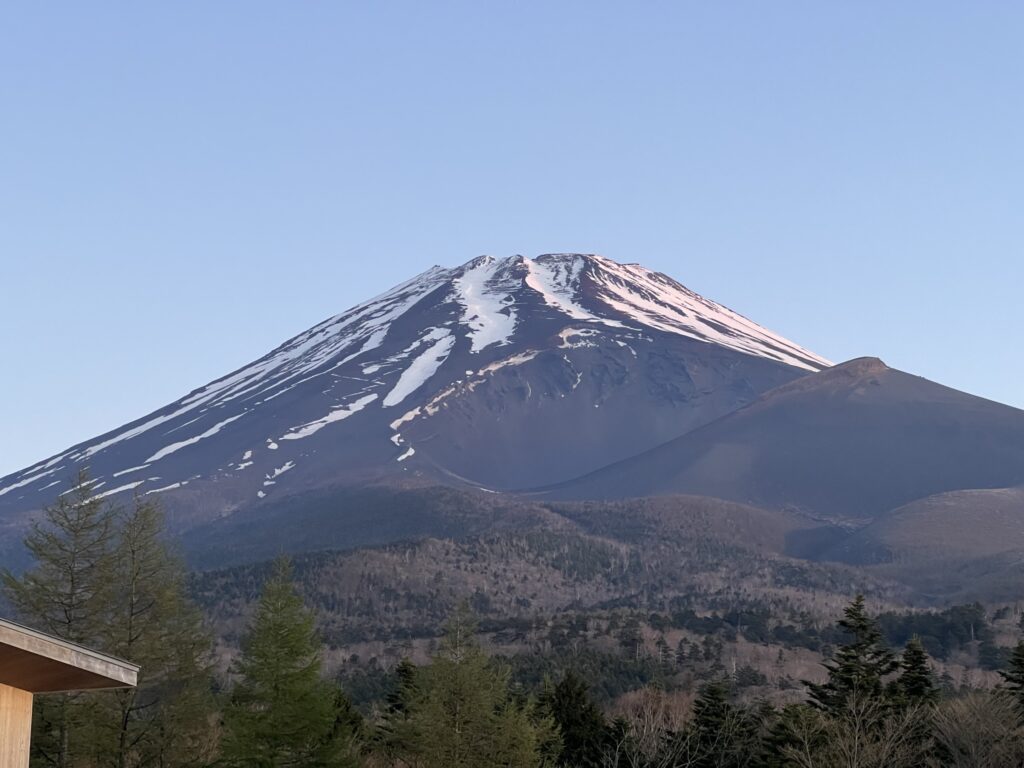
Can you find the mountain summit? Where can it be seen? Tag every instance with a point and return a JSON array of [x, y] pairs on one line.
[[501, 373]]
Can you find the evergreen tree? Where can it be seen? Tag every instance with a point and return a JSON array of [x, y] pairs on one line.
[[165, 720], [797, 729], [405, 689], [859, 666], [463, 716], [66, 593], [711, 715], [720, 734], [1013, 675], [916, 683], [282, 713], [580, 722], [392, 734]]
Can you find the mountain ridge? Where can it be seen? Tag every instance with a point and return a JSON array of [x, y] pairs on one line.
[[848, 443]]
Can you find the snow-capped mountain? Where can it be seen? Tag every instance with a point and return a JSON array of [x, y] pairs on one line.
[[501, 373]]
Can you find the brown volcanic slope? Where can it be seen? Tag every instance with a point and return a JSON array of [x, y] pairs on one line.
[[961, 544], [851, 442], [948, 526]]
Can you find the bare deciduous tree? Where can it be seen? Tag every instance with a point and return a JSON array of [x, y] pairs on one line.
[[981, 730], [868, 734]]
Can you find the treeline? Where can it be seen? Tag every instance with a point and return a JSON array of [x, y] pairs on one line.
[[104, 576]]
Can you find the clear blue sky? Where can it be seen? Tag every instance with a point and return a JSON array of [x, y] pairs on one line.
[[184, 185]]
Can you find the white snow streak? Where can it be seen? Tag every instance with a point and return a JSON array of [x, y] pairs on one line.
[[27, 481], [173, 447], [170, 487], [338, 414], [112, 491], [129, 470], [487, 303], [420, 369], [281, 470], [558, 281], [659, 302]]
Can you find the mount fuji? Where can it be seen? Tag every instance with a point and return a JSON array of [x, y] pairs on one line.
[[500, 374]]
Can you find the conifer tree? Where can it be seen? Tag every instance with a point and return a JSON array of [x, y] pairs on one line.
[[580, 722], [858, 667], [1013, 676], [165, 720], [916, 683], [463, 716], [392, 734], [66, 593], [282, 713], [720, 735]]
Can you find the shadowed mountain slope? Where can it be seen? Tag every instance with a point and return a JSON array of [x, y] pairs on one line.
[[851, 442]]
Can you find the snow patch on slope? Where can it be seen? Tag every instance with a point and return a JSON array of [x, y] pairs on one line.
[[420, 369], [278, 471], [338, 414], [27, 481], [112, 491], [366, 324], [487, 302], [656, 301], [173, 447], [557, 280]]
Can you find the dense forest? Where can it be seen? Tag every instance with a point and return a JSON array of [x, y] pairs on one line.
[[624, 684]]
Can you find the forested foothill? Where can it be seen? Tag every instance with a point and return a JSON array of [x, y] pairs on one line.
[[268, 665]]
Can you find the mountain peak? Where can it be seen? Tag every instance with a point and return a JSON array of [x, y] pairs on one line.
[[572, 327], [595, 289]]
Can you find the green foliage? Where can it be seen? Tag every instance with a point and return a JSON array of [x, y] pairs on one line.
[[916, 683], [722, 735], [65, 593], [104, 577], [858, 666], [282, 713], [67, 590], [581, 724], [165, 720], [461, 713], [941, 632], [394, 733]]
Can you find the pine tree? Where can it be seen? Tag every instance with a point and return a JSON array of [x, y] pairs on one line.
[[282, 713], [1013, 675], [798, 728], [858, 667], [916, 683], [66, 593], [165, 720], [463, 716], [580, 722], [391, 736], [714, 734]]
